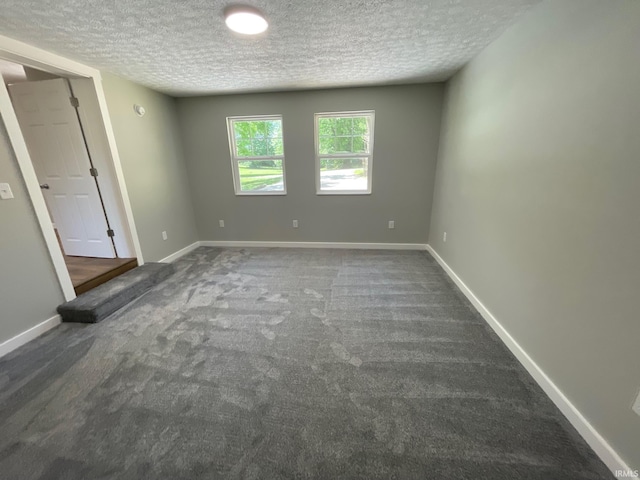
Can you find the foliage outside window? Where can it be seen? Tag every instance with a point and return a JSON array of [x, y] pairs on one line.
[[344, 152], [257, 155]]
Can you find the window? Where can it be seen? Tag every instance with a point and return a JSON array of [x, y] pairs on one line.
[[344, 152], [257, 155]]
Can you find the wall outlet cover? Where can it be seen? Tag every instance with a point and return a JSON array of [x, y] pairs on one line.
[[221, 223], [5, 191], [392, 224], [164, 235]]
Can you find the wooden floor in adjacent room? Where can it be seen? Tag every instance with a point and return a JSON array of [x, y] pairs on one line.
[[89, 272]]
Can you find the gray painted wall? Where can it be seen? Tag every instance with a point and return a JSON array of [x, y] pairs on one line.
[[406, 141], [154, 168], [29, 289], [538, 189]]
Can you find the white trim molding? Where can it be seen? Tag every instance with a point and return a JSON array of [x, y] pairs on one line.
[[25, 54], [596, 441], [236, 159], [28, 55], [33, 189], [180, 253], [341, 245], [117, 166], [370, 115], [28, 335]]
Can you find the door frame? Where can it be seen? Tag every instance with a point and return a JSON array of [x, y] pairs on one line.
[[34, 57]]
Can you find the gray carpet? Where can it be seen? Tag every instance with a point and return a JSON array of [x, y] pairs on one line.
[[284, 364], [102, 301]]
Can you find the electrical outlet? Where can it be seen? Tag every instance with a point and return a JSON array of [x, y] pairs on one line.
[[636, 406], [5, 191], [164, 235], [392, 224], [221, 223], [444, 237], [295, 224]]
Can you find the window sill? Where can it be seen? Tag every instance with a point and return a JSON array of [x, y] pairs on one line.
[[343, 192], [260, 194]]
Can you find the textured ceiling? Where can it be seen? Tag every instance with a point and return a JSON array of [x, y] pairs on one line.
[[182, 47]]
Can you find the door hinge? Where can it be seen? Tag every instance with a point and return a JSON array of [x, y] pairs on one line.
[[110, 233], [75, 103], [93, 171]]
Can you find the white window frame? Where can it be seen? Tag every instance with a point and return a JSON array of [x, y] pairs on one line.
[[236, 159], [369, 156]]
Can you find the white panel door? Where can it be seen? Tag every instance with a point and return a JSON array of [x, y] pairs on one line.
[[52, 132]]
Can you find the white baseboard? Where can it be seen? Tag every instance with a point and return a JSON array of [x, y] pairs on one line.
[[28, 335], [180, 253], [599, 445], [343, 245]]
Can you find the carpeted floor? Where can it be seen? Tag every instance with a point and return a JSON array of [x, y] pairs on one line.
[[283, 364]]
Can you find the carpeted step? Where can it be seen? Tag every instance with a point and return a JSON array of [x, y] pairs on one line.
[[102, 301]]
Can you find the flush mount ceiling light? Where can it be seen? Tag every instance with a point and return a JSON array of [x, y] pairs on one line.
[[245, 20]]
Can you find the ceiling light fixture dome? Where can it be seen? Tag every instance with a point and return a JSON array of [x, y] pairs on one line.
[[245, 20]]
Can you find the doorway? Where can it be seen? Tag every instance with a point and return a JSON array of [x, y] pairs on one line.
[[65, 132]]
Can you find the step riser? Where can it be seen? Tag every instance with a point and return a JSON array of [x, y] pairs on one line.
[[102, 301]]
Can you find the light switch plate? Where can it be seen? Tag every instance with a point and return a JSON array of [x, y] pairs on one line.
[[636, 406], [5, 191]]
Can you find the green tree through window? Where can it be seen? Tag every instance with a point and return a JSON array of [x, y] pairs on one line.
[[344, 151], [257, 154]]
